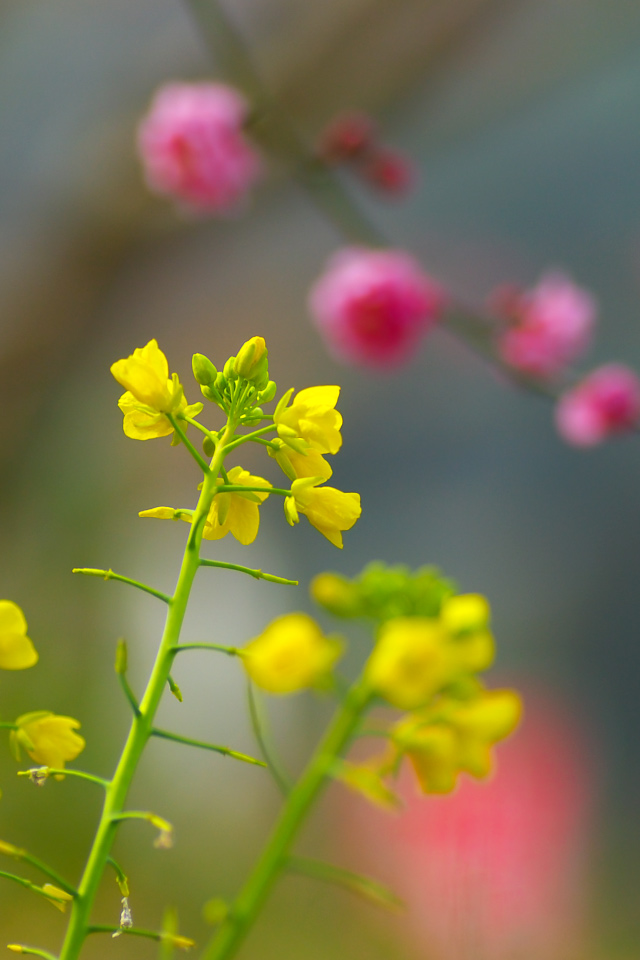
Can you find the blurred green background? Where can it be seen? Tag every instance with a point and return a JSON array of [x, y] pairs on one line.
[[523, 118]]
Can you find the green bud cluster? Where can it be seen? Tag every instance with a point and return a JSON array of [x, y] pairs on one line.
[[244, 377], [383, 592]]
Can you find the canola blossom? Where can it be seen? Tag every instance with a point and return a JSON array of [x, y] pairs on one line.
[[311, 417], [50, 740], [291, 654], [150, 393], [328, 510], [17, 652]]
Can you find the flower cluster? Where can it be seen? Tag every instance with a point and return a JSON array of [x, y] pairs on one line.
[[305, 427], [431, 644], [193, 147]]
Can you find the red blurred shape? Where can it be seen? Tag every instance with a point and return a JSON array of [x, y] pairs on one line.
[[496, 870]]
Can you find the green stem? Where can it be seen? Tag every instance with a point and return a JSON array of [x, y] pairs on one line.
[[142, 725], [127, 931], [251, 436], [355, 882], [275, 855], [218, 647], [276, 770], [5, 725], [202, 463], [66, 772], [34, 952], [46, 870], [225, 751], [256, 574], [110, 575], [239, 488], [33, 887]]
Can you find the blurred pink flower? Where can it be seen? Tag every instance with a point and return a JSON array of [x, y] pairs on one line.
[[373, 306], [606, 402], [496, 870], [548, 327], [347, 137], [193, 148]]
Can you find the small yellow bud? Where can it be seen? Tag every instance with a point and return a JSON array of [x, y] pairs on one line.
[[336, 594], [59, 898], [464, 613], [9, 850], [15, 948], [252, 359]]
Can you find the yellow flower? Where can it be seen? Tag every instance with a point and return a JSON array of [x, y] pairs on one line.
[[150, 393], [16, 649], [48, 739], [480, 723], [453, 737], [296, 465], [235, 513], [311, 417], [328, 510], [291, 654], [367, 780], [433, 750], [466, 617], [410, 662], [251, 361]]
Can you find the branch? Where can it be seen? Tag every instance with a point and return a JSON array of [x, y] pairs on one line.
[[280, 776], [110, 575], [225, 751], [361, 885], [256, 574]]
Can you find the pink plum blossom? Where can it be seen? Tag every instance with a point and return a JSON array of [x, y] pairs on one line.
[[548, 327], [373, 306], [606, 402], [193, 148]]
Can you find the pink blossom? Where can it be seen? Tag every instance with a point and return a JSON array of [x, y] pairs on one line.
[[193, 148], [347, 137], [373, 306], [496, 870], [548, 326], [606, 402]]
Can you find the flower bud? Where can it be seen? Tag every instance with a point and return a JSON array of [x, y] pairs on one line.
[[269, 392], [229, 369], [290, 511], [121, 658], [336, 594], [203, 370], [251, 362], [208, 447]]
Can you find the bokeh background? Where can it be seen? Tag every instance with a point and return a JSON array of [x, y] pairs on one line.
[[523, 118]]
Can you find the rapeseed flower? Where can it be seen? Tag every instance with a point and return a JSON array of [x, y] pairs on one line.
[[48, 739], [328, 510], [291, 654], [411, 661], [16, 649], [151, 393], [312, 418], [466, 618], [297, 465], [235, 513]]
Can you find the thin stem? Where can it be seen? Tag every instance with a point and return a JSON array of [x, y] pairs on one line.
[[275, 855], [329, 873], [5, 725], [250, 436], [45, 869], [66, 772], [110, 575], [239, 488], [218, 647], [29, 885], [129, 694], [121, 877], [142, 725], [279, 774], [256, 574], [127, 931], [211, 434], [225, 751], [202, 463], [31, 951]]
